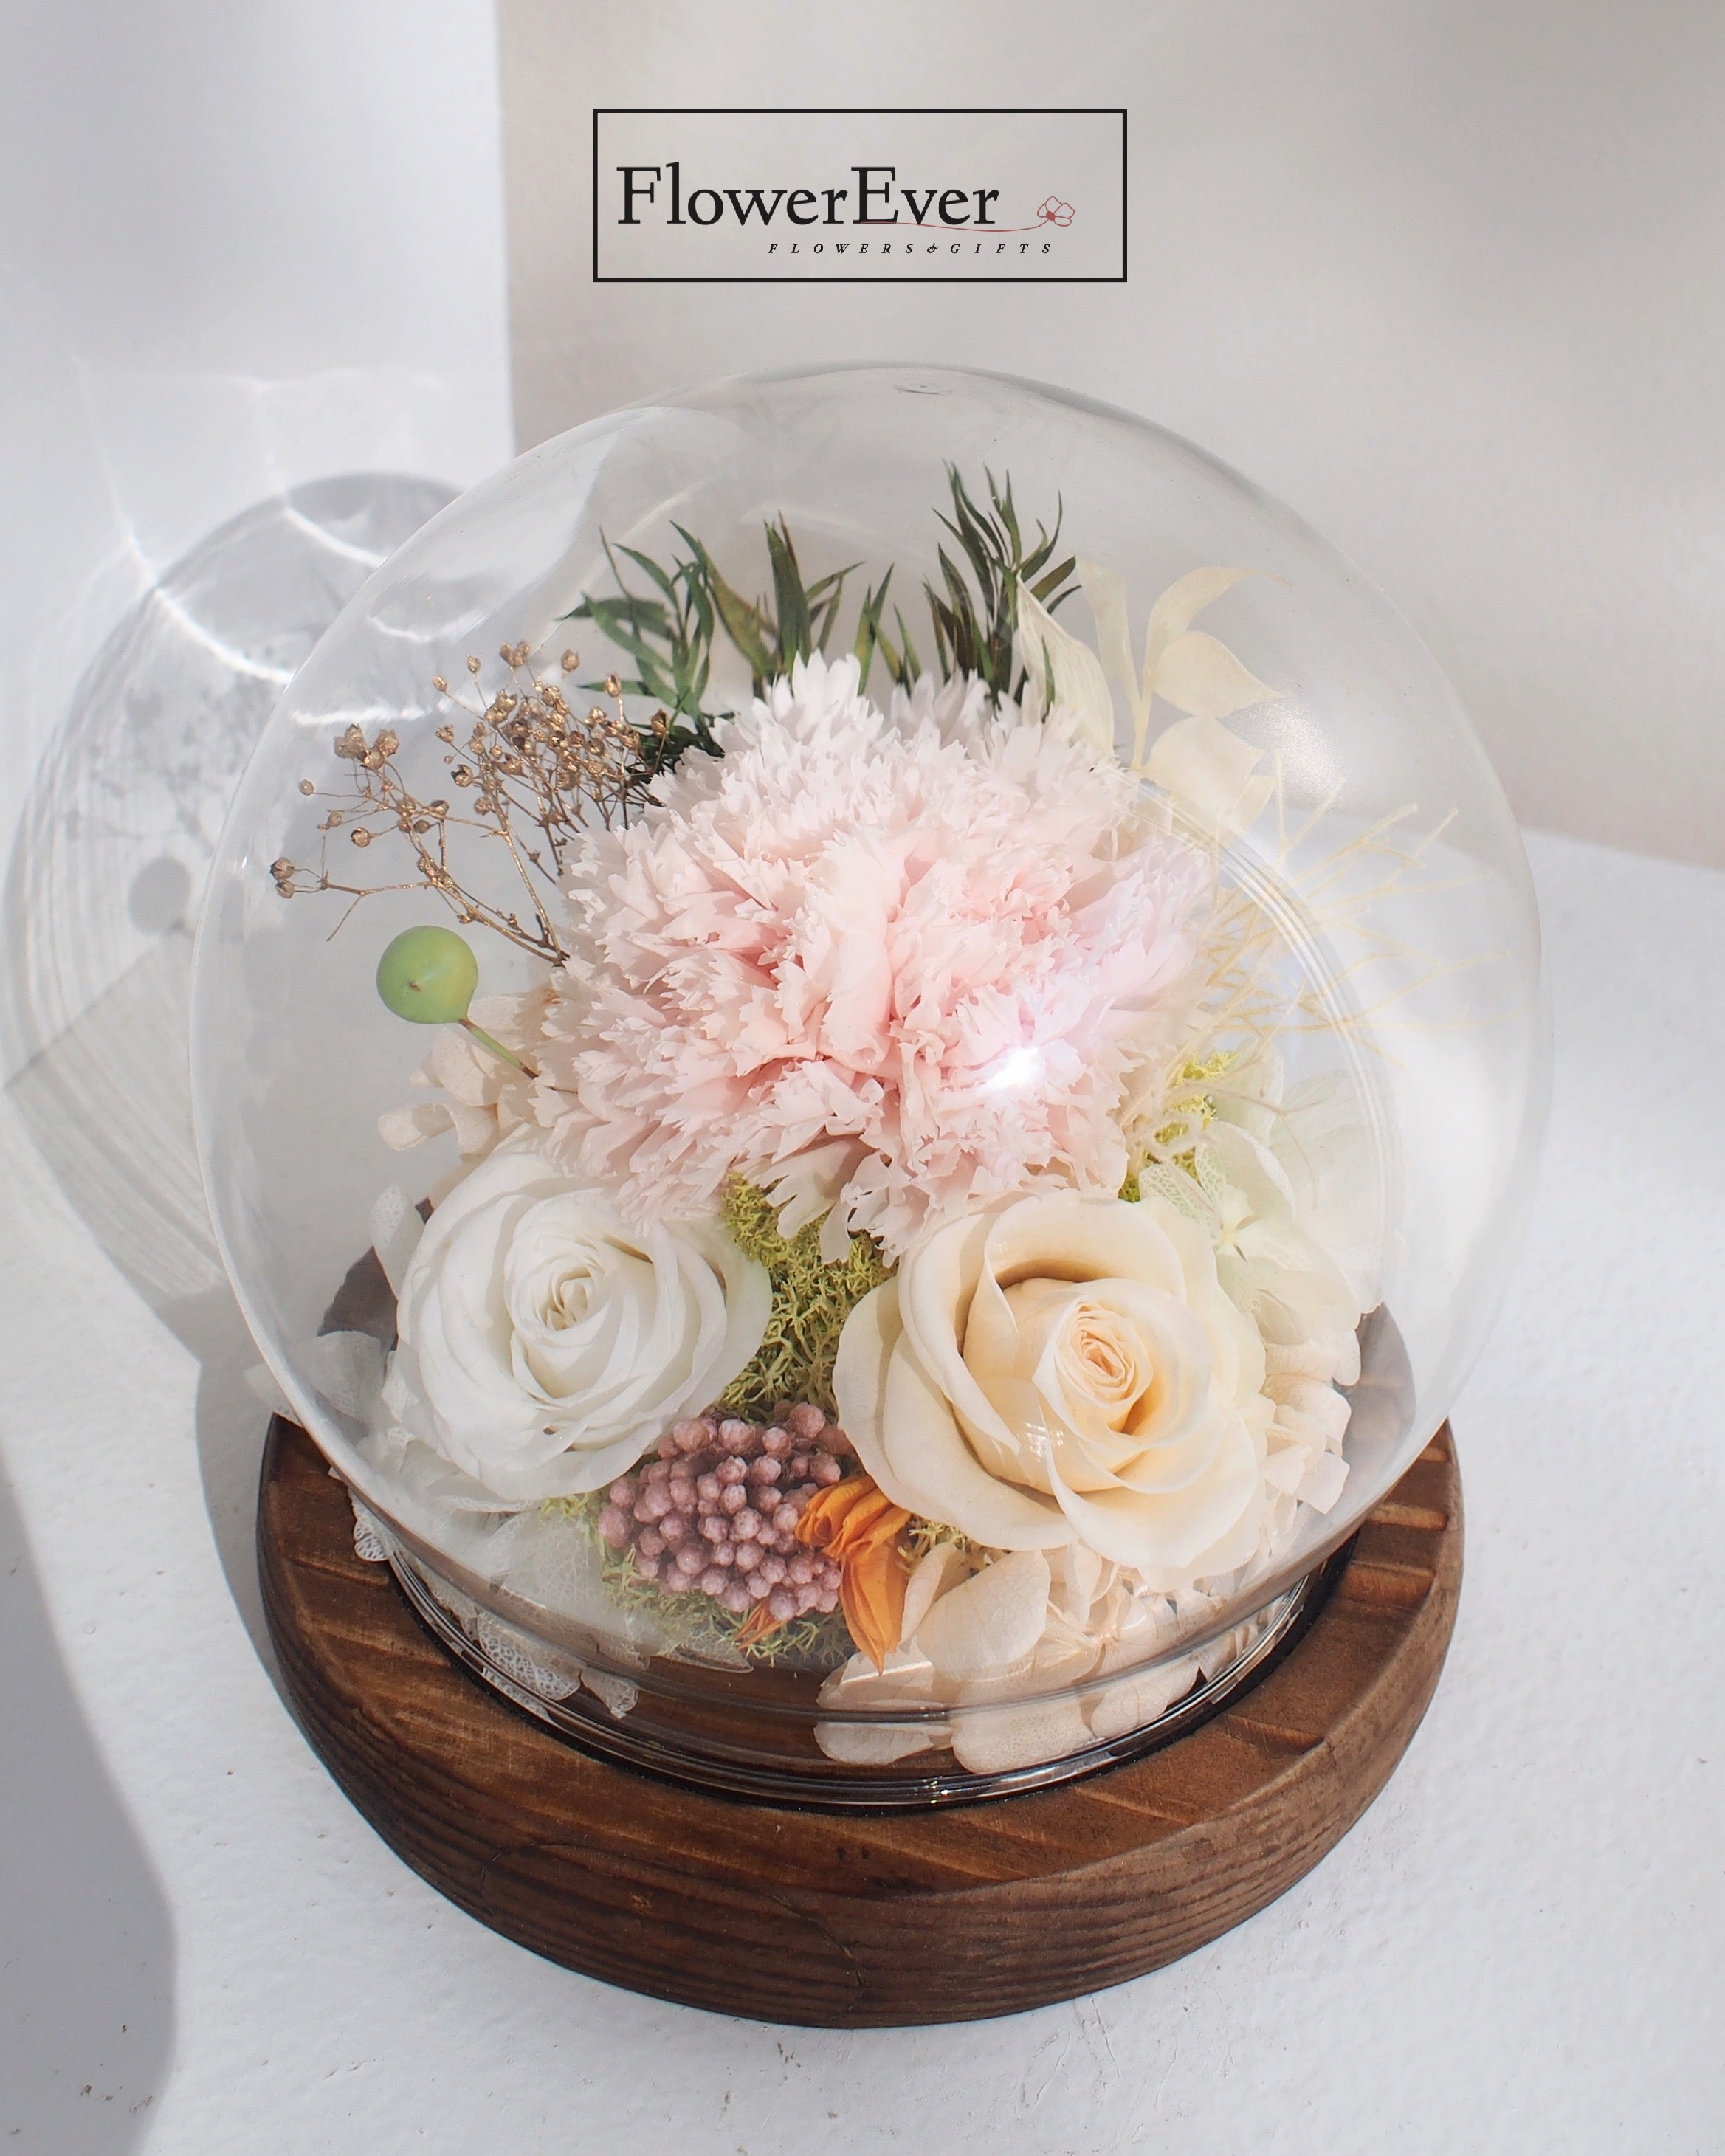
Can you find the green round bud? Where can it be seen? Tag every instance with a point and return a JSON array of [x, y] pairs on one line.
[[429, 975]]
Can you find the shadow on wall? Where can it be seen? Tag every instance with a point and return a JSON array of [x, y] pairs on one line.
[[87, 1958], [101, 902]]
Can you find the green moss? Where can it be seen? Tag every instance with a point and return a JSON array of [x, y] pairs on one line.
[[811, 1301]]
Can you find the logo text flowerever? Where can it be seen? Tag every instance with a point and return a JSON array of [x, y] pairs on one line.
[[876, 200]]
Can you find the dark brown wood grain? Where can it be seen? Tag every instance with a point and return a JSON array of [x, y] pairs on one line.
[[861, 1919]]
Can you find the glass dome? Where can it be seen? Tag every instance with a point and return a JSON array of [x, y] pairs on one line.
[[868, 1049]]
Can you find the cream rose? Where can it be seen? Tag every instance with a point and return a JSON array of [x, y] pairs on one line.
[[545, 1345], [1066, 1369]]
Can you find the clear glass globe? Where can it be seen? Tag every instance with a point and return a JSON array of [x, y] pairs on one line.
[[1003, 1074]]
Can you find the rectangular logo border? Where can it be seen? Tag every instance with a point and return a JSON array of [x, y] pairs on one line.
[[862, 111]]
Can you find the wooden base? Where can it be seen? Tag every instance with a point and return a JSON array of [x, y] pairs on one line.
[[862, 1920]]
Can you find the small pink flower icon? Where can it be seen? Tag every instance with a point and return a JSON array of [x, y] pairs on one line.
[[1054, 211]]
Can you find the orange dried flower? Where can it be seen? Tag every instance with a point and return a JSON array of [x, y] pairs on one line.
[[857, 1522]]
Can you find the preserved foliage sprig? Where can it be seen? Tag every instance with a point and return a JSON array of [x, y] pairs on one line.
[[975, 632], [537, 772]]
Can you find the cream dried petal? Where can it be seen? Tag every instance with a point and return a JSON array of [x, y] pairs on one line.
[[1133, 1702], [401, 1129], [1176, 610], [995, 1740], [1106, 590], [942, 1568], [1211, 771], [1068, 672], [990, 1623], [1201, 676]]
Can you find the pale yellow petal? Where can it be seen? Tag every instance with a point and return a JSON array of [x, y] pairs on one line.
[[1179, 606], [1209, 769], [1201, 676], [1069, 673]]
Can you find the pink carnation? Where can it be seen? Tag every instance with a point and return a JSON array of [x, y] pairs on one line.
[[888, 967]]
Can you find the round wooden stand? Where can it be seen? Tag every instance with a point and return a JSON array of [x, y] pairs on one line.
[[864, 1919]]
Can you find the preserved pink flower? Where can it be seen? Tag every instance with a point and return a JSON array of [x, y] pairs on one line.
[[889, 966]]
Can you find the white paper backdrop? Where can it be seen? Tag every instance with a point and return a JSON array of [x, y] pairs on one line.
[[1446, 275]]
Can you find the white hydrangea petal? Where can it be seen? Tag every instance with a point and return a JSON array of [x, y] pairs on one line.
[[396, 1227], [401, 1129], [940, 1568], [1132, 1702], [995, 1740], [989, 1623], [1324, 1480]]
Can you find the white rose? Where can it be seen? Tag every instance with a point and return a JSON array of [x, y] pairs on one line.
[[544, 1344], [1066, 1369]]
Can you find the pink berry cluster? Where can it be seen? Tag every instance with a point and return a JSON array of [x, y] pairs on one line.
[[715, 1512]]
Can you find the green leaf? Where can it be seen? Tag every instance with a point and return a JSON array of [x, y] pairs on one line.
[[646, 562], [912, 664], [868, 630], [744, 624], [791, 601]]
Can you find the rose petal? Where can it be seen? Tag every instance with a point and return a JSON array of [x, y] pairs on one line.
[[1174, 1533], [536, 1391], [924, 1464], [930, 1469]]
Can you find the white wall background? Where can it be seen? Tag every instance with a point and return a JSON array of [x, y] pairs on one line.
[[241, 247], [1446, 275]]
